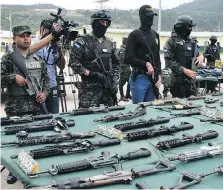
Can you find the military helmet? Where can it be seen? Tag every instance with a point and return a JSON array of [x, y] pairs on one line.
[[184, 20], [213, 37], [101, 15]]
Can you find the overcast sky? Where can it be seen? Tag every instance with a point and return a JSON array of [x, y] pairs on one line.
[[91, 4]]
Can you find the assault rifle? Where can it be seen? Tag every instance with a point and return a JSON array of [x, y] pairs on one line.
[[25, 140], [178, 107], [104, 160], [185, 114], [71, 148], [211, 100], [192, 179], [141, 124], [92, 110], [163, 102], [198, 154], [32, 83], [157, 132], [186, 139], [24, 119], [215, 121], [196, 98], [57, 124], [108, 81], [140, 110], [217, 94], [117, 177]]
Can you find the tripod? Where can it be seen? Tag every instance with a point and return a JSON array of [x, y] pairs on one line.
[[59, 77]]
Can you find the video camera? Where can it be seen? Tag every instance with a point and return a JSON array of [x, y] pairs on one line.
[[67, 32]]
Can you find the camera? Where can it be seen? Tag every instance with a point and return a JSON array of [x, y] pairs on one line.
[[67, 32]]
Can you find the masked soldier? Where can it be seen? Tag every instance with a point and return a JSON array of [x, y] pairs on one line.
[[125, 72], [90, 55], [212, 52], [178, 54], [142, 53], [18, 101]]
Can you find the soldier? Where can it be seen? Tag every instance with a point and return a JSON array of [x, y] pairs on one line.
[[83, 60], [212, 52], [18, 101], [178, 54], [125, 72]]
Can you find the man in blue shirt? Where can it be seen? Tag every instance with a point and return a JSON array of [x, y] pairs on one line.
[[53, 56]]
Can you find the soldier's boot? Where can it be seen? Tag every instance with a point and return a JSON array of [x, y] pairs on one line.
[[122, 94], [128, 95], [11, 179]]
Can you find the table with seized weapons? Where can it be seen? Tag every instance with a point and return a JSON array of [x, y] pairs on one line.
[[165, 144]]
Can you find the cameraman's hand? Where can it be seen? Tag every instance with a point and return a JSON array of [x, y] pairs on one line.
[[56, 30], [159, 82], [149, 68], [199, 61], [190, 73]]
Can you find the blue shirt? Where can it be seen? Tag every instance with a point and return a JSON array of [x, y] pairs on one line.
[[51, 64]]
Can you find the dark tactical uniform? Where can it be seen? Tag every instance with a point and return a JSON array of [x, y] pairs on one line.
[[125, 72], [18, 101], [212, 52], [178, 54], [92, 92]]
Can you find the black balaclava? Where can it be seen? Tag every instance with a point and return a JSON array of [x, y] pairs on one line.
[[146, 21], [99, 30], [213, 42], [183, 31]]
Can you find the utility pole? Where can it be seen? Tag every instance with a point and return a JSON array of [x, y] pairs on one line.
[[10, 28], [159, 19]]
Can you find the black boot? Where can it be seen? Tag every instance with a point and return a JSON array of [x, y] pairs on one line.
[[128, 95], [11, 179]]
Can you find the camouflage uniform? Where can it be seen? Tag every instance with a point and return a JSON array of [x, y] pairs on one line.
[[125, 72], [212, 54], [92, 92], [178, 54], [18, 101]]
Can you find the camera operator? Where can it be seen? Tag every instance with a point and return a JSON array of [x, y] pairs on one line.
[[53, 55]]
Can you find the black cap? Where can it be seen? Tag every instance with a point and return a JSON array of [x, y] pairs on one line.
[[146, 10]]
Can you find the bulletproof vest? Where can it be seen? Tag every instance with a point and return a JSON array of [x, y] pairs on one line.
[[120, 55], [104, 50], [34, 67], [184, 53], [214, 51]]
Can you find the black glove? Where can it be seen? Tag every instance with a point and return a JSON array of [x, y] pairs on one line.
[[96, 76], [57, 30], [114, 89]]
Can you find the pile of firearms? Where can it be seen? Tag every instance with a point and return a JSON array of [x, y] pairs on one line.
[[65, 142]]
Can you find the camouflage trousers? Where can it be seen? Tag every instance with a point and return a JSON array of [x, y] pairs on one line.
[[125, 73], [21, 105], [183, 89], [93, 94]]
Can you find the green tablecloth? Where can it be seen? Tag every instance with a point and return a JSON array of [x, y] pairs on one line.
[[85, 123]]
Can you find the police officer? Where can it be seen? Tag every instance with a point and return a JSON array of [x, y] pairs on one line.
[[53, 55], [178, 54], [142, 53], [125, 72], [18, 101], [83, 60], [212, 52]]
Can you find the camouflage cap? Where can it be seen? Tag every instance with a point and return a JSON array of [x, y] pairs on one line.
[[19, 30]]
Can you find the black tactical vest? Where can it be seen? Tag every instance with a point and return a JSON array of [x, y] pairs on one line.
[[184, 53], [34, 67], [104, 50]]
